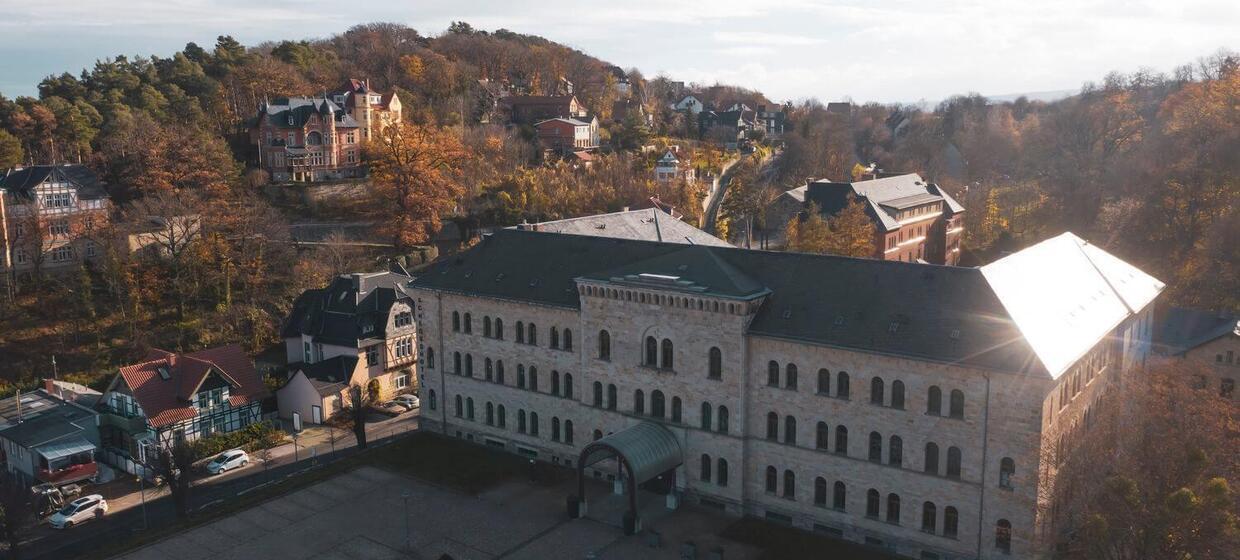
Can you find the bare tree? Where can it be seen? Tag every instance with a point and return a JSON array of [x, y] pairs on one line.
[[355, 411], [173, 463], [17, 513]]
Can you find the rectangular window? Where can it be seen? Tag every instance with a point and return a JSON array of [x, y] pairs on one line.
[[372, 355], [90, 249], [62, 254], [306, 351], [401, 381], [58, 227]]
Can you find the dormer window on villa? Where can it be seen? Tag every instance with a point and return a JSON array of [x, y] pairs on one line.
[[212, 398]]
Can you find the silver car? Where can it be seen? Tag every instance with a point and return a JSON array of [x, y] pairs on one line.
[[79, 510], [228, 460]]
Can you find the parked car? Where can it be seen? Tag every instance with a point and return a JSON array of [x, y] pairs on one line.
[[409, 401], [391, 408], [48, 498], [78, 511], [227, 461]]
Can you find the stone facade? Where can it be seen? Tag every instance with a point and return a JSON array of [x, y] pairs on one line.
[[990, 429]]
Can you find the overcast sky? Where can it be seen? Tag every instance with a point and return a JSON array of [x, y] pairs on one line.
[[877, 50]]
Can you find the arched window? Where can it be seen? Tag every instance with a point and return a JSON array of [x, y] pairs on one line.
[[790, 430], [953, 462], [456, 321], [568, 432], [790, 376], [459, 410], [652, 352], [932, 458], [555, 382], [604, 345], [821, 437], [676, 412], [841, 440], [534, 423], [486, 326], [490, 416], [430, 358], [824, 382], [957, 404], [721, 473], [555, 428], [705, 422], [772, 479], [1003, 536], [568, 340], [876, 447], [841, 385], [611, 397], [531, 334], [704, 472], [667, 354], [893, 508], [1007, 468], [434, 402], [897, 394], [469, 408], [554, 338], [314, 139], [469, 365], [488, 369], [790, 484], [876, 391], [929, 517], [521, 332], [502, 416], [520, 376], [533, 378], [838, 496], [716, 364], [772, 426], [723, 419], [934, 401], [772, 373], [895, 451], [469, 323], [598, 394], [656, 403], [499, 328], [820, 492], [951, 521], [871, 503], [639, 402], [568, 386], [521, 421], [456, 363], [499, 371]]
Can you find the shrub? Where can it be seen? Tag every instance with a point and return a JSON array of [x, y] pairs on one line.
[[260, 435]]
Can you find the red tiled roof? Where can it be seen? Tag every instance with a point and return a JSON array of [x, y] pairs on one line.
[[169, 401]]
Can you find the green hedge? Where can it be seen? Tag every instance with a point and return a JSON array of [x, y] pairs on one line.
[[261, 435]]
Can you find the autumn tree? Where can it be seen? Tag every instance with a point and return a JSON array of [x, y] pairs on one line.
[[809, 232], [414, 174], [174, 461], [851, 233]]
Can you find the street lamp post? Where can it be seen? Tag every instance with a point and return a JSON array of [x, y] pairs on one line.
[[408, 543]]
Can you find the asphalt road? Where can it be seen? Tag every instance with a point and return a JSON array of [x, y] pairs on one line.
[[43, 542]]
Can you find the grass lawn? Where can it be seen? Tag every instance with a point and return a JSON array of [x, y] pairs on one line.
[[460, 465], [779, 542]]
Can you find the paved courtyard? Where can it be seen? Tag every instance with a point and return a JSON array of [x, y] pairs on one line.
[[359, 515]]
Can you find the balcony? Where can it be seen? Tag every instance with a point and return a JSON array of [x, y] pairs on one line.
[[67, 474]]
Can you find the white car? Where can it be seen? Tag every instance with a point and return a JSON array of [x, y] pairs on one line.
[[79, 510], [227, 461], [410, 402]]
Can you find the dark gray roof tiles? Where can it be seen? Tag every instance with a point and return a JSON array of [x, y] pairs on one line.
[[344, 314], [21, 181], [1178, 330], [648, 224]]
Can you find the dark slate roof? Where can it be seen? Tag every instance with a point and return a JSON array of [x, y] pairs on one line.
[[649, 224], [337, 314], [830, 300], [1178, 330], [49, 425], [21, 180], [332, 375], [300, 109], [895, 191]]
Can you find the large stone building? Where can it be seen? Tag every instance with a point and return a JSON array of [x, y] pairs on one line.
[[913, 219], [51, 217], [1210, 339], [373, 111], [902, 405]]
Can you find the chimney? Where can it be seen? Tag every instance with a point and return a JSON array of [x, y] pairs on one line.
[[357, 280], [49, 387]]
